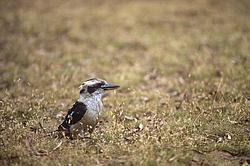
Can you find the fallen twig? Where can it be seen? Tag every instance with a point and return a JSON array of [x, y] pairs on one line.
[[57, 147], [40, 152], [41, 126]]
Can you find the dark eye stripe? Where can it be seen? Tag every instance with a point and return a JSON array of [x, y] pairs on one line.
[[93, 88]]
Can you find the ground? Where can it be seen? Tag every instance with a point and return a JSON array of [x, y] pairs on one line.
[[183, 68]]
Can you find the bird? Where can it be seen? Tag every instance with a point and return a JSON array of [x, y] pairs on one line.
[[83, 116]]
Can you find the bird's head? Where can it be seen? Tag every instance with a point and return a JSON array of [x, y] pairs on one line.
[[96, 86]]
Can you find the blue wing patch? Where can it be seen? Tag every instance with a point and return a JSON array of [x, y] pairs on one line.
[[74, 115]]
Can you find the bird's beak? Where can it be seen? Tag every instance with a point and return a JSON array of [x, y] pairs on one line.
[[109, 86]]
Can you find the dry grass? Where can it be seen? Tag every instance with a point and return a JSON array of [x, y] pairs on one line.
[[183, 67]]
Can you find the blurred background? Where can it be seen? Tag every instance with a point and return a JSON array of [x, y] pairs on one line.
[[135, 43], [174, 59]]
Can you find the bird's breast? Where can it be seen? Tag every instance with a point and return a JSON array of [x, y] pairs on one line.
[[94, 109], [90, 118]]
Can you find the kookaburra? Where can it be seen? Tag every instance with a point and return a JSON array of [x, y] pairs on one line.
[[84, 114]]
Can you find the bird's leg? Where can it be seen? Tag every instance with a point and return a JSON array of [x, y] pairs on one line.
[[68, 134]]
